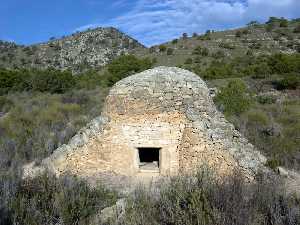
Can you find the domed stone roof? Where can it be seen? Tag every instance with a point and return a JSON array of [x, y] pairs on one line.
[[160, 89]]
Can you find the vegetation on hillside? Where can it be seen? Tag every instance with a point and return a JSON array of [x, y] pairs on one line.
[[47, 200], [55, 81], [234, 99], [202, 200], [257, 67], [278, 35], [81, 51], [270, 121], [206, 201], [258, 85]]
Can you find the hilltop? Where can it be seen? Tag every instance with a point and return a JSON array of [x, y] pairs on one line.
[[89, 49]]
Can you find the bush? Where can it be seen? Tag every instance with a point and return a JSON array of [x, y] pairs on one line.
[[270, 27], [289, 82], [257, 118], [245, 32], [38, 123], [170, 51], [272, 19], [201, 51], [218, 55], [205, 37], [280, 63], [188, 61], [124, 66], [255, 45], [152, 49], [219, 70], [234, 98], [5, 104], [162, 48], [47, 200], [238, 34], [36, 80], [297, 29], [175, 41], [273, 163], [89, 80], [52, 81], [266, 99], [204, 200], [259, 70], [284, 23], [226, 45]]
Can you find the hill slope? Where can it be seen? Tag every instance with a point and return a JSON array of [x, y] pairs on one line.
[[275, 36], [79, 51]]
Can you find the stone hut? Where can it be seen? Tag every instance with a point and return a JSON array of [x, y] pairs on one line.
[[158, 122]]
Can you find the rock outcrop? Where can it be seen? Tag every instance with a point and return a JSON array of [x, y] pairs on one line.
[[167, 109]]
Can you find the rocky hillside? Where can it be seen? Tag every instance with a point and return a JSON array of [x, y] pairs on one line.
[[276, 36], [79, 51]]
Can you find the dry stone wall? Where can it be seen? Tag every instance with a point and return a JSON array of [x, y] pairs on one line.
[[167, 108]]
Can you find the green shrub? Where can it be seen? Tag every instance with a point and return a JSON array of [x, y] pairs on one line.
[[46, 200], [219, 70], [266, 99], [36, 80], [37, 123], [201, 51], [234, 98], [258, 71], [255, 45], [289, 82], [124, 66], [170, 51], [204, 200], [281, 63], [226, 45], [175, 41], [297, 29], [197, 59], [218, 54], [89, 80], [246, 31], [238, 34], [5, 104], [162, 48], [205, 37], [270, 27], [188, 61], [52, 81], [257, 118], [10, 80], [273, 19], [273, 163], [284, 23], [152, 49]]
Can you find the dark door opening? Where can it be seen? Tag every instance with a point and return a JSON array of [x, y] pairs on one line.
[[149, 158]]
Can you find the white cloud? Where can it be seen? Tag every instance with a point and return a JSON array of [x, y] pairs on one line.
[[157, 21]]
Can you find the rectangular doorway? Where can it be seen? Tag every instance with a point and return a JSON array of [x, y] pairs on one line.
[[149, 159]]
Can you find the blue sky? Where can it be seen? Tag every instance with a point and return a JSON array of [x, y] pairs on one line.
[[149, 21]]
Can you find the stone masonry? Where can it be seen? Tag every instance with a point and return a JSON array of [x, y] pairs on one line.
[[165, 108]]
